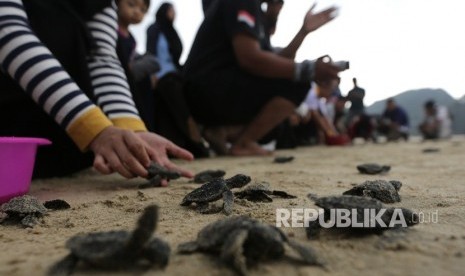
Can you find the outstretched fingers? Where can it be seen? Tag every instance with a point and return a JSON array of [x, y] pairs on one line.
[[166, 162], [101, 165]]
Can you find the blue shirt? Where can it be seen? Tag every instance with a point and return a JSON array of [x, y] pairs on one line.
[[164, 57], [397, 115]]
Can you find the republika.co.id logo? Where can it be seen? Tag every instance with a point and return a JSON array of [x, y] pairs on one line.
[[353, 218]]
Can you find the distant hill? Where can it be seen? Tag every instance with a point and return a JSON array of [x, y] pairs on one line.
[[412, 101]]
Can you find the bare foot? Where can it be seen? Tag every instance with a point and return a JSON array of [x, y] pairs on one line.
[[248, 149]]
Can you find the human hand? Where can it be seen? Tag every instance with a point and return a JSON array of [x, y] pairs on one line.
[[122, 151], [326, 73], [313, 21], [160, 147]]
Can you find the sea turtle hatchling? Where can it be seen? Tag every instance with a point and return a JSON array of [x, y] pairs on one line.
[[213, 191], [117, 249], [156, 173], [260, 192], [367, 215], [385, 191], [26, 209], [283, 159], [208, 175], [373, 168], [243, 242]]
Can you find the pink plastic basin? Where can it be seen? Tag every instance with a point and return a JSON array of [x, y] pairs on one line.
[[17, 157]]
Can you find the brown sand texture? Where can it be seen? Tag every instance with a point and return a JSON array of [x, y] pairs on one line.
[[433, 183]]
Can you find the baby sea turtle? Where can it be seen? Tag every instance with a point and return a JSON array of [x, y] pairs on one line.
[[214, 190], [208, 175], [156, 174], [385, 191], [362, 210], [117, 249], [373, 168], [243, 242], [57, 204], [26, 209], [283, 159], [431, 150], [260, 192]]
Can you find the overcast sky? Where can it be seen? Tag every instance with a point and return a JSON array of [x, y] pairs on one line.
[[392, 45]]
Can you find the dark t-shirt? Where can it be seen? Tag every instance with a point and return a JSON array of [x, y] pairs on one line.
[[356, 96], [125, 48], [212, 49], [397, 115]]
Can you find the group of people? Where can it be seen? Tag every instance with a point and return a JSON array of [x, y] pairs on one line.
[[70, 73]]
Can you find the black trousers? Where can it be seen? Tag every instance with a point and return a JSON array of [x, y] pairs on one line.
[[233, 97]]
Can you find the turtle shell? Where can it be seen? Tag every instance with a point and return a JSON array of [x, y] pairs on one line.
[[208, 192], [23, 205], [101, 248]]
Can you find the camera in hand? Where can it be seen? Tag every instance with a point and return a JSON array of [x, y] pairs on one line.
[[342, 64]]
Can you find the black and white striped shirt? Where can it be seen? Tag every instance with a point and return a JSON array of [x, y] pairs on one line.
[[32, 65]]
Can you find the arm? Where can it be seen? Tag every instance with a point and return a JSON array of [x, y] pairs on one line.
[[312, 21], [35, 69], [323, 123], [121, 150], [258, 62], [108, 78]]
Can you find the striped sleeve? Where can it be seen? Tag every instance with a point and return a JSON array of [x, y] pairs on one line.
[[36, 70], [109, 81]]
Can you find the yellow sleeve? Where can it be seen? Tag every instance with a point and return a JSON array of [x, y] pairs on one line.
[[134, 124], [85, 128]]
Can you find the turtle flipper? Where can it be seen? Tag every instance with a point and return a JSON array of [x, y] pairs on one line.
[[145, 226], [283, 194], [228, 199], [261, 197], [232, 251], [307, 254], [188, 247], [64, 267], [313, 229], [157, 252], [29, 221], [206, 209], [153, 182]]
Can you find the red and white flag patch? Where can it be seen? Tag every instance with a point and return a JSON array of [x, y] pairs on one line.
[[246, 17]]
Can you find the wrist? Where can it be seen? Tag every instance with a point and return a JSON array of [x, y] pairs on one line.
[[304, 71]]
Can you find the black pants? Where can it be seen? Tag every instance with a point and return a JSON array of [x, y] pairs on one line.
[[23, 118], [233, 97], [171, 114]]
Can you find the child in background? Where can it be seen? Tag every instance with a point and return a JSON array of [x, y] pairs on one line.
[[138, 68]]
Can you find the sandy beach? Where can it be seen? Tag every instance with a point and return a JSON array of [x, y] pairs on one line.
[[433, 183]]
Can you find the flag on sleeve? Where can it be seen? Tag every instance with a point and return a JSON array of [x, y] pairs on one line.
[[246, 17]]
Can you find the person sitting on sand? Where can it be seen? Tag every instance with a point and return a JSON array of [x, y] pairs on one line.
[[314, 123], [233, 78], [394, 122], [437, 122], [172, 117], [61, 79]]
